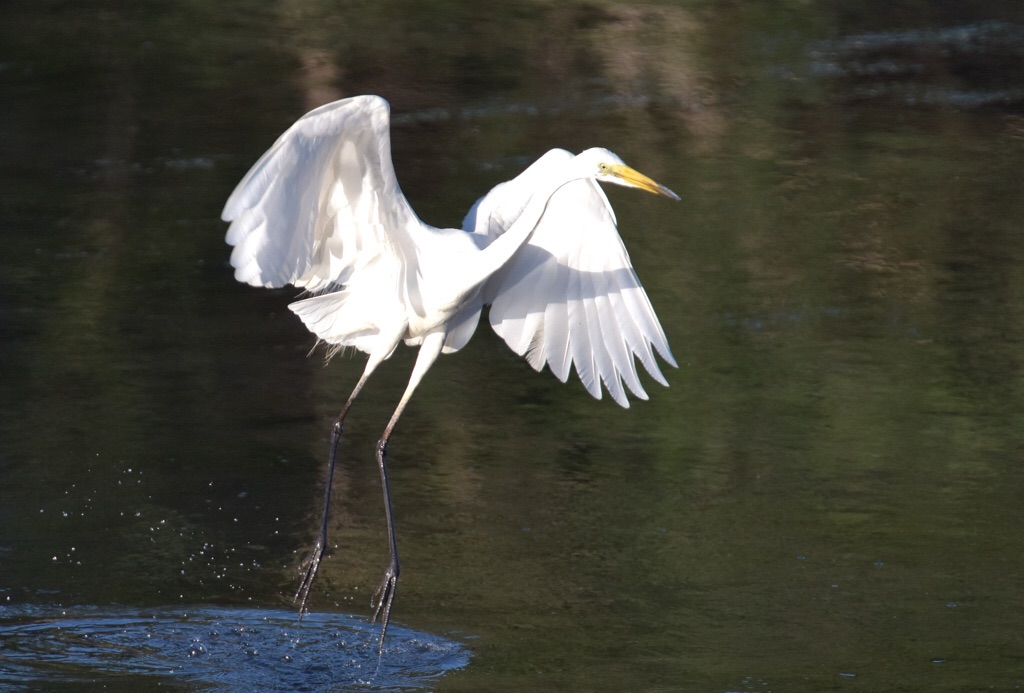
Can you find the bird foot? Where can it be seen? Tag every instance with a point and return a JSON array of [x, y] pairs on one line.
[[311, 564], [384, 597]]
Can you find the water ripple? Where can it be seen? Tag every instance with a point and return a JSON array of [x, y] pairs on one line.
[[216, 648]]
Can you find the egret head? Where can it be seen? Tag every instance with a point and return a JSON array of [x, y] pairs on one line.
[[611, 169]]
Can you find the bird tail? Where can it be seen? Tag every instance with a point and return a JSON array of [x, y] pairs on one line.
[[333, 319]]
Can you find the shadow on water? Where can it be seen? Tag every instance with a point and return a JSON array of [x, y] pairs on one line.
[[217, 649]]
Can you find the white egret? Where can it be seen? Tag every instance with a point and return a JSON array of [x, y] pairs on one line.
[[322, 210]]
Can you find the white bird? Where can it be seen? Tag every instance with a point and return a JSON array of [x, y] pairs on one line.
[[322, 210]]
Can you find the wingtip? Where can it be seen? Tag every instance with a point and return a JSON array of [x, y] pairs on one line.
[[666, 355]]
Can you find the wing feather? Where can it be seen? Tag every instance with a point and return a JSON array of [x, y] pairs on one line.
[[322, 202], [628, 335], [554, 339], [579, 338], [569, 296]]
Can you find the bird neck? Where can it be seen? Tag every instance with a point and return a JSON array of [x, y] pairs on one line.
[[497, 254]]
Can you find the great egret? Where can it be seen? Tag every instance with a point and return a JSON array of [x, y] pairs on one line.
[[322, 210]]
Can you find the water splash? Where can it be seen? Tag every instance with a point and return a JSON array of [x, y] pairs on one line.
[[216, 648]]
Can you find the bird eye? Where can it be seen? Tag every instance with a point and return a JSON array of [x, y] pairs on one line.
[[603, 168]]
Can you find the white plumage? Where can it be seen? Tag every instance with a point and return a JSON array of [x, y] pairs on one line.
[[569, 294], [322, 210]]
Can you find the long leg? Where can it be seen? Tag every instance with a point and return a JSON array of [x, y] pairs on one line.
[[312, 561], [385, 594]]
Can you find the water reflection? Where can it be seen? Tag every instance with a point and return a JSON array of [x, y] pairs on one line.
[[212, 648], [967, 66]]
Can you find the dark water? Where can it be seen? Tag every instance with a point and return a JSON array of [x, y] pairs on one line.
[[829, 496]]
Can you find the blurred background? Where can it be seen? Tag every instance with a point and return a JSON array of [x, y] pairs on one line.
[[829, 496]]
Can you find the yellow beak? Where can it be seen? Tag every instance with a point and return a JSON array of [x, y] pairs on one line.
[[635, 179]]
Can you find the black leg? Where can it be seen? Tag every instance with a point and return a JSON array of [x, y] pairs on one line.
[[312, 562], [385, 594]]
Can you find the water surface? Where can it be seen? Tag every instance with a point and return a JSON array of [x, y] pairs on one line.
[[828, 496]]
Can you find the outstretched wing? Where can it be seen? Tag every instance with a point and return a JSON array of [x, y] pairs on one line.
[[569, 295], [322, 202]]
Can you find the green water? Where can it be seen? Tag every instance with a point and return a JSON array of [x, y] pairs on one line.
[[829, 496]]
